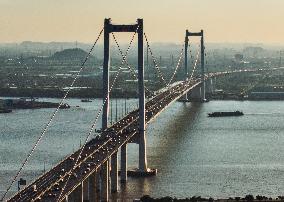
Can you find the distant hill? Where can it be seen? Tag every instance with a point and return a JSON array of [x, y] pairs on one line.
[[76, 54], [53, 45]]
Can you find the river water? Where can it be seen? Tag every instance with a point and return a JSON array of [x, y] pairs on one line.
[[194, 154]]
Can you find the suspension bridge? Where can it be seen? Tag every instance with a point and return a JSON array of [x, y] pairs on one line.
[[92, 171]]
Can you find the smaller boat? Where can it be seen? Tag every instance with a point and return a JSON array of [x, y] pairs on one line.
[[86, 100], [4, 111], [221, 114], [64, 106]]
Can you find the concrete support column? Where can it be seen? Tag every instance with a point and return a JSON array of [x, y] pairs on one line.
[[142, 138], [186, 59], [196, 93], [123, 164], [98, 180], [106, 74], [77, 194], [203, 98], [209, 86], [114, 173], [105, 168], [92, 187], [186, 55], [215, 83], [212, 85], [105, 182], [86, 190]]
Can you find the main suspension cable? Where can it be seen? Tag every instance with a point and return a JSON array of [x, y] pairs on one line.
[[195, 65], [96, 119], [178, 65], [191, 56], [90, 132], [160, 75], [127, 64], [52, 117]]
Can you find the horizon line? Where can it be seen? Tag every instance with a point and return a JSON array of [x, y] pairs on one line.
[[155, 42]]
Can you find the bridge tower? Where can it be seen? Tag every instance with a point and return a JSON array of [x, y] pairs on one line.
[[108, 29], [197, 93]]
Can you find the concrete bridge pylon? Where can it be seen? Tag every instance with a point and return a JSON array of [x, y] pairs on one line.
[[143, 169], [196, 94]]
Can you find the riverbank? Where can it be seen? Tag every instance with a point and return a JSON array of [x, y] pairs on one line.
[[22, 103], [59, 93], [97, 93]]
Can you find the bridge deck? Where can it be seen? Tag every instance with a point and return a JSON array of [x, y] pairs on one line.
[[98, 150]]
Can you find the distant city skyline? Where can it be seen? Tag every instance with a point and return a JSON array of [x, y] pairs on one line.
[[242, 21]]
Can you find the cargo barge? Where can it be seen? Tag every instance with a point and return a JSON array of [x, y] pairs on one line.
[[23, 103], [222, 114], [5, 111], [86, 100]]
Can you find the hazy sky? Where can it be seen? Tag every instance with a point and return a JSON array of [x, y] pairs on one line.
[[164, 20]]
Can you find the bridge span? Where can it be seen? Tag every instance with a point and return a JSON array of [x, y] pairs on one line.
[[68, 181], [92, 170], [86, 173], [79, 175], [97, 152]]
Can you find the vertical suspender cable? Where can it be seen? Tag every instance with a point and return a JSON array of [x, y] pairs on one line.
[[51, 118]]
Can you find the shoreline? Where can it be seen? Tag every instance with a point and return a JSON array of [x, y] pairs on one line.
[[97, 93]]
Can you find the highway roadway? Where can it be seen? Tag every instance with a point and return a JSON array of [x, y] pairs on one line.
[[48, 187]]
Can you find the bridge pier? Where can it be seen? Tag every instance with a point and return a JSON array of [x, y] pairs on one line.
[[123, 166], [86, 190], [77, 194], [210, 86], [142, 152], [92, 187], [105, 182], [203, 87], [98, 180], [114, 173], [195, 94]]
